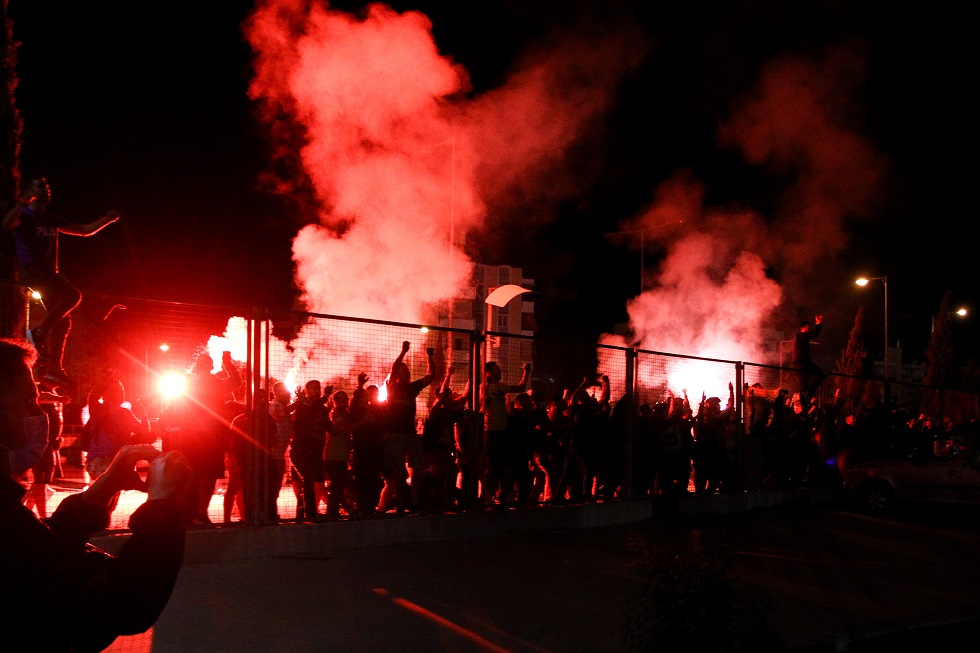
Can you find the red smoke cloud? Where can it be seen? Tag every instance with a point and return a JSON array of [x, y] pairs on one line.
[[405, 162], [715, 293]]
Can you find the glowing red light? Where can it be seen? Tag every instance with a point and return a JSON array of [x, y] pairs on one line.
[[172, 385]]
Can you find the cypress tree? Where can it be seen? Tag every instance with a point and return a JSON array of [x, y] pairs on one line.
[[13, 298]]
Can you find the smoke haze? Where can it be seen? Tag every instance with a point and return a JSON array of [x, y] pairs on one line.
[[727, 270], [412, 169]]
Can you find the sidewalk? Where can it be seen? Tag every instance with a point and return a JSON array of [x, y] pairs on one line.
[[223, 543]]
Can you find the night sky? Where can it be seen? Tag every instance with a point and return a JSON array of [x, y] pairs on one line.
[[148, 111]]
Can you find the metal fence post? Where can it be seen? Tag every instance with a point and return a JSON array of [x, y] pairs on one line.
[[258, 426], [740, 423], [475, 425], [632, 360]]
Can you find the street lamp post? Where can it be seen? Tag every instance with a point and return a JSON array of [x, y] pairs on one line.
[[863, 281], [642, 233], [499, 297]]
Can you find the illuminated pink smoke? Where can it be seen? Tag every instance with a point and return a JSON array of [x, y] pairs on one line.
[[392, 176], [715, 294], [405, 161]]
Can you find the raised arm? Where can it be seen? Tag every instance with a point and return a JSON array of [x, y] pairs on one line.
[[579, 390], [525, 376], [142, 426], [121, 475], [729, 411], [233, 378], [430, 354], [604, 395], [91, 227], [401, 358], [463, 397], [444, 387]]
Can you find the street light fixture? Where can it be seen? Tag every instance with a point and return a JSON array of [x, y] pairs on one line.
[[863, 281], [960, 312]]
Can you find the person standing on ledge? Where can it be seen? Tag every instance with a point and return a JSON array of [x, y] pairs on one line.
[[35, 231], [810, 375]]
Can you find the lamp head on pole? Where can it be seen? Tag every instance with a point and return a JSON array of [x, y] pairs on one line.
[[863, 281], [501, 295]]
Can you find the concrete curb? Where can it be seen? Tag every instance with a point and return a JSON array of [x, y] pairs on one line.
[[230, 543]]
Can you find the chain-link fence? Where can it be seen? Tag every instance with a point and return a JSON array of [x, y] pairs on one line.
[[144, 344]]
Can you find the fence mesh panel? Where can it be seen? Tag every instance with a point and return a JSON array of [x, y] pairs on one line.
[[141, 342]]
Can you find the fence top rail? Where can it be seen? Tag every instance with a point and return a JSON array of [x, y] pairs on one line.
[[370, 320], [688, 357], [504, 334], [246, 312], [266, 313], [170, 302], [622, 348]]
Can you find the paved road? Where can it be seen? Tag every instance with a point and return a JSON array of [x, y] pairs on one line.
[[834, 578]]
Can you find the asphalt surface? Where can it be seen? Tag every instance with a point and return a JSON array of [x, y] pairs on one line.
[[831, 580]]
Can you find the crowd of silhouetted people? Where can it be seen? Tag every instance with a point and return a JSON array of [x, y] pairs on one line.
[[348, 453]]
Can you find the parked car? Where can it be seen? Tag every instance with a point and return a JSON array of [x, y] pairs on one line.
[[949, 474]]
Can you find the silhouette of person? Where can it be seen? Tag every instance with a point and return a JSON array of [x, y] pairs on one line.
[[195, 424], [499, 442], [677, 440], [337, 453], [44, 471], [121, 594], [35, 231], [587, 422], [809, 374], [113, 426], [310, 418], [438, 483], [558, 435], [367, 458], [253, 440], [235, 446], [401, 443], [522, 426], [647, 449], [469, 455], [282, 414], [711, 464]]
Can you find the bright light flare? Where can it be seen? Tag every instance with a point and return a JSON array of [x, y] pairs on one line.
[[697, 378], [962, 312], [164, 347], [35, 294], [862, 281], [172, 385], [383, 390]]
